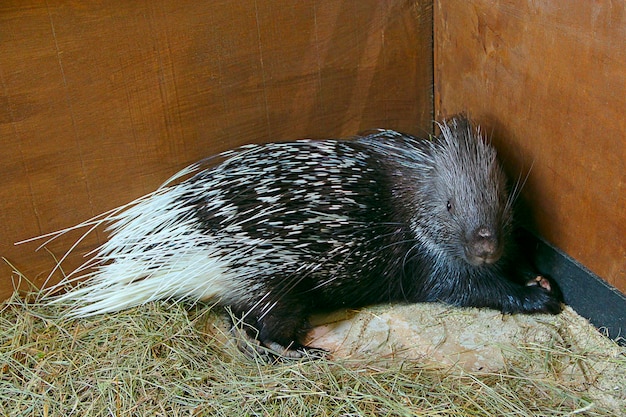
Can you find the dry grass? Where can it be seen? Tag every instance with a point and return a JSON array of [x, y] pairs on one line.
[[165, 360]]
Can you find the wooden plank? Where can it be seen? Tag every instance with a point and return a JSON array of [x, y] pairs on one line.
[[547, 79], [102, 101]]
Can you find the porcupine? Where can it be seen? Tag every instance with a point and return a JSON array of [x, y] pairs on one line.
[[279, 231]]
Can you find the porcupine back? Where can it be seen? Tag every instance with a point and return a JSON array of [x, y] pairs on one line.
[[270, 220]]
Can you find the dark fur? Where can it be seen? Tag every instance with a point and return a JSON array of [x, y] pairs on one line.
[[412, 226]]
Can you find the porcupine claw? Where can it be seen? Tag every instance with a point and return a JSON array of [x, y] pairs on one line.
[[540, 281], [549, 292]]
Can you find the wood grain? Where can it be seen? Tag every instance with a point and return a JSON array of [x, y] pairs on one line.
[[548, 80], [100, 102]]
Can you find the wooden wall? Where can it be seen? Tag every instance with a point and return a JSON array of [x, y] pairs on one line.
[[101, 101], [548, 80]]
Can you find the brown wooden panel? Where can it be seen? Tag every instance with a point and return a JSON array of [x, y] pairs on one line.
[[102, 101], [549, 80]]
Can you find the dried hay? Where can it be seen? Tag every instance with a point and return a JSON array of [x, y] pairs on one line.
[[164, 359]]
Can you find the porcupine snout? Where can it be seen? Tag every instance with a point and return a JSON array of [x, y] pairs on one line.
[[483, 246]]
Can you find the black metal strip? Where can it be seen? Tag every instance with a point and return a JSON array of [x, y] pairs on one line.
[[594, 299]]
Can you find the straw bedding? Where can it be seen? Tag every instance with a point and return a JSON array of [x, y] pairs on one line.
[[168, 359]]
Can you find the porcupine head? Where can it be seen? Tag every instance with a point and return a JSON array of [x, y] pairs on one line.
[[464, 213]]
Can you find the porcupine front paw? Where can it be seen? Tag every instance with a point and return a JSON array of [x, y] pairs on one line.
[[545, 295]]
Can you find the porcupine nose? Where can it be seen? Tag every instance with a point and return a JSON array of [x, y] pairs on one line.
[[482, 247]]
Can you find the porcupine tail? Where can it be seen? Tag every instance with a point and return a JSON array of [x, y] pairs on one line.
[[154, 252]]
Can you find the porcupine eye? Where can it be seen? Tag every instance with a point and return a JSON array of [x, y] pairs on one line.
[[449, 206]]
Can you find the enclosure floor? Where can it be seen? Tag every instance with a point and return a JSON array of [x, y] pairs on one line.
[[169, 359], [476, 340]]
